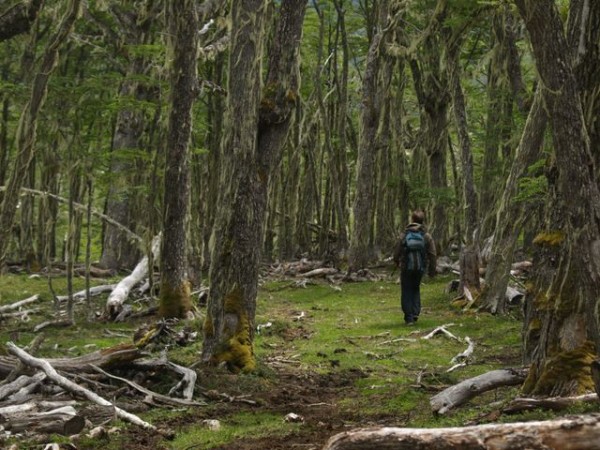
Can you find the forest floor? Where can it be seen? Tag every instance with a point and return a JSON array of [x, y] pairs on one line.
[[334, 357]]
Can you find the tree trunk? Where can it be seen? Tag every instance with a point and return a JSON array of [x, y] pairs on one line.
[[568, 333], [362, 250], [433, 94], [175, 300], [19, 18], [256, 130], [26, 134], [510, 213], [584, 35], [469, 263]]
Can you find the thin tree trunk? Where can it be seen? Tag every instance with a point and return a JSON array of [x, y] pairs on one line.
[[469, 266], [26, 134], [175, 300], [510, 214], [362, 237]]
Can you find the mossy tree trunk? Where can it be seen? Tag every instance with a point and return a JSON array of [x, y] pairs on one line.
[[117, 250], [174, 284], [27, 131], [362, 250], [510, 214], [469, 261], [255, 132], [433, 95], [564, 297], [499, 93], [583, 35]]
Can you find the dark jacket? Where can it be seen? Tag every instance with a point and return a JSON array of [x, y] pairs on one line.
[[399, 250]]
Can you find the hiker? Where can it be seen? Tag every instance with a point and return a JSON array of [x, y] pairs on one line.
[[414, 254]]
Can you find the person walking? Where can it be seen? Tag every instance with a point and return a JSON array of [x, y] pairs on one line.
[[414, 254]]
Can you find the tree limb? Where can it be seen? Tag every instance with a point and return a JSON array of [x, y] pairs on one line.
[[73, 387]]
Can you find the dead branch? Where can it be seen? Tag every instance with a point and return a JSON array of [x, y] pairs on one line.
[[6, 308], [94, 291], [108, 357], [575, 433], [119, 295], [60, 323], [9, 410], [81, 207], [554, 403], [462, 392], [18, 384], [23, 316], [465, 356], [322, 272], [153, 395], [73, 387], [442, 329]]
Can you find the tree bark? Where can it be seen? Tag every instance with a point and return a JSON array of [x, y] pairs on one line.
[[26, 135], [256, 130], [362, 250], [175, 299], [509, 216], [18, 19], [568, 334], [469, 263]]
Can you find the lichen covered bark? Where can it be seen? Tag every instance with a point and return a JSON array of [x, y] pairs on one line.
[[175, 301], [257, 123], [565, 294]]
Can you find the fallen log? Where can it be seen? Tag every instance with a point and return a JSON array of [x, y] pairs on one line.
[[73, 387], [22, 315], [7, 390], [64, 421], [25, 393], [322, 272], [119, 295], [94, 291], [7, 308], [576, 433], [462, 392], [11, 410], [105, 358]]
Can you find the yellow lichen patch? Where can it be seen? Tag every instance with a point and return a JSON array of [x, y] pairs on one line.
[[534, 325], [175, 301], [551, 238], [542, 301], [567, 368], [237, 350], [209, 328]]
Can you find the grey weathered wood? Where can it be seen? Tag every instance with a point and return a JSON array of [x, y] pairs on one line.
[[73, 387], [464, 391], [576, 433]]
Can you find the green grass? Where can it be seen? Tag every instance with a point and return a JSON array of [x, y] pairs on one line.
[[325, 331]]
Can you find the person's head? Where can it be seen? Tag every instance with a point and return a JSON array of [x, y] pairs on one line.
[[417, 216]]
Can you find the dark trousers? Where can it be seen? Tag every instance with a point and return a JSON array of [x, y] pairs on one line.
[[410, 283]]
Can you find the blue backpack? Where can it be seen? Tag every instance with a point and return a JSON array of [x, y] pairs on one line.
[[414, 244]]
